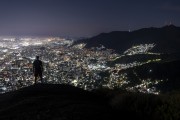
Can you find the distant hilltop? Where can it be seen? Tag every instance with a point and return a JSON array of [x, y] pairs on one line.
[[166, 38]]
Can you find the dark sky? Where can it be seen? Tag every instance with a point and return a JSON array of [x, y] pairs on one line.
[[84, 17]]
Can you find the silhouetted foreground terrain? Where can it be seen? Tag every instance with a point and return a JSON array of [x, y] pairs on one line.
[[64, 102], [56, 102]]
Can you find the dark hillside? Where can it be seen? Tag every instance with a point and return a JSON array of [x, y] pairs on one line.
[[64, 102], [43, 101], [167, 39]]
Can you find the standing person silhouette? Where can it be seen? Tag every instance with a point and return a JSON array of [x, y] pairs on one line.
[[37, 69]]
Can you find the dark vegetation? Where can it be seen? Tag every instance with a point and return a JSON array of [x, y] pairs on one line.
[[145, 106], [64, 102]]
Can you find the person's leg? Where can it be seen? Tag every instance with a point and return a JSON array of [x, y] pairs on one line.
[[35, 75], [41, 78], [35, 79]]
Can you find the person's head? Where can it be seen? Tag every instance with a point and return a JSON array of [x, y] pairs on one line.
[[37, 57]]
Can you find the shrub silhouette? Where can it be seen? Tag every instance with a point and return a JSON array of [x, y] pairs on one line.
[[144, 106]]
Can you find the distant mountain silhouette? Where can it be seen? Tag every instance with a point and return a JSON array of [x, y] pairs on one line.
[[167, 39]]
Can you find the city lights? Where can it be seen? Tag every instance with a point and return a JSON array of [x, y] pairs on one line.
[[67, 64]]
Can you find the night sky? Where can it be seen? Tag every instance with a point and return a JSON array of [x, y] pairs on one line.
[[84, 18]]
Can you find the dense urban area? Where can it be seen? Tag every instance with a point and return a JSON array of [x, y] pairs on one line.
[[65, 63]]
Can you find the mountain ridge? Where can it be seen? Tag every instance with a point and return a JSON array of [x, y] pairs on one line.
[[166, 38]]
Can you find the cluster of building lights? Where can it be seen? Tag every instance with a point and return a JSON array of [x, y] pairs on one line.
[[67, 64], [139, 49]]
